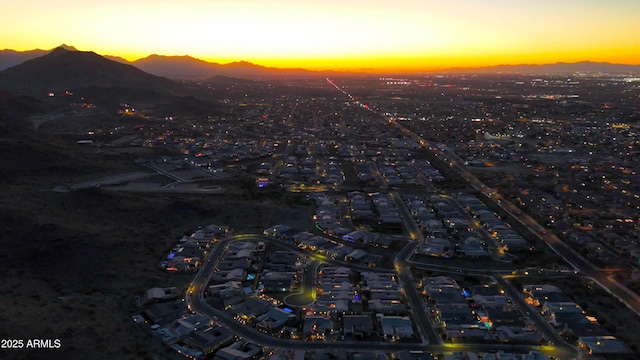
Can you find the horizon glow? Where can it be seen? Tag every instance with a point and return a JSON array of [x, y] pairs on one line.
[[373, 35]]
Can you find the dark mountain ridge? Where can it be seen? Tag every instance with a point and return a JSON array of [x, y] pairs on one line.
[[177, 67], [553, 69], [189, 68], [10, 58], [62, 70]]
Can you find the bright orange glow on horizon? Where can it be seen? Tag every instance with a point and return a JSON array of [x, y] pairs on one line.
[[373, 35]]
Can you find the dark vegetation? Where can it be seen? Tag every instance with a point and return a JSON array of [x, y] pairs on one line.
[[73, 262]]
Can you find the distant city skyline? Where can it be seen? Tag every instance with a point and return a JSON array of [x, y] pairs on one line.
[[403, 35]]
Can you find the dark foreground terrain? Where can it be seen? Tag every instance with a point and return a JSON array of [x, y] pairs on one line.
[[73, 262]]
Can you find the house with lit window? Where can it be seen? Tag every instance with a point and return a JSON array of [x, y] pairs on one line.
[[396, 327], [277, 281], [603, 345], [558, 313], [250, 308], [275, 319], [317, 327]]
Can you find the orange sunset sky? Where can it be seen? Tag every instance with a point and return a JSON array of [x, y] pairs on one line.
[[330, 34]]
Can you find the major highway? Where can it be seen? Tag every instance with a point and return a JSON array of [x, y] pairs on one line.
[[579, 263]]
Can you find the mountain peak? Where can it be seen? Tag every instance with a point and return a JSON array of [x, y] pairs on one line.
[[242, 62], [65, 47], [64, 69], [168, 58], [62, 50]]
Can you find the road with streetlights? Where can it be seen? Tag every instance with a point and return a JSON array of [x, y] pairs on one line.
[[197, 303], [579, 263]]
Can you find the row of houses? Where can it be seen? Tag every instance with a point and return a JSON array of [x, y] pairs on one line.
[[387, 213], [448, 233], [374, 208], [501, 231], [441, 247], [325, 246], [194, 335], [480, 313], [383, 293], [339, 309], [372, 307], [213, 150], [359, 326], [280, 271], [571, 320], [337, 313], [188, 253]]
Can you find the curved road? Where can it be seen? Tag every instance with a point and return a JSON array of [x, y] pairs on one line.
[[196, 302], [307, 294]]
